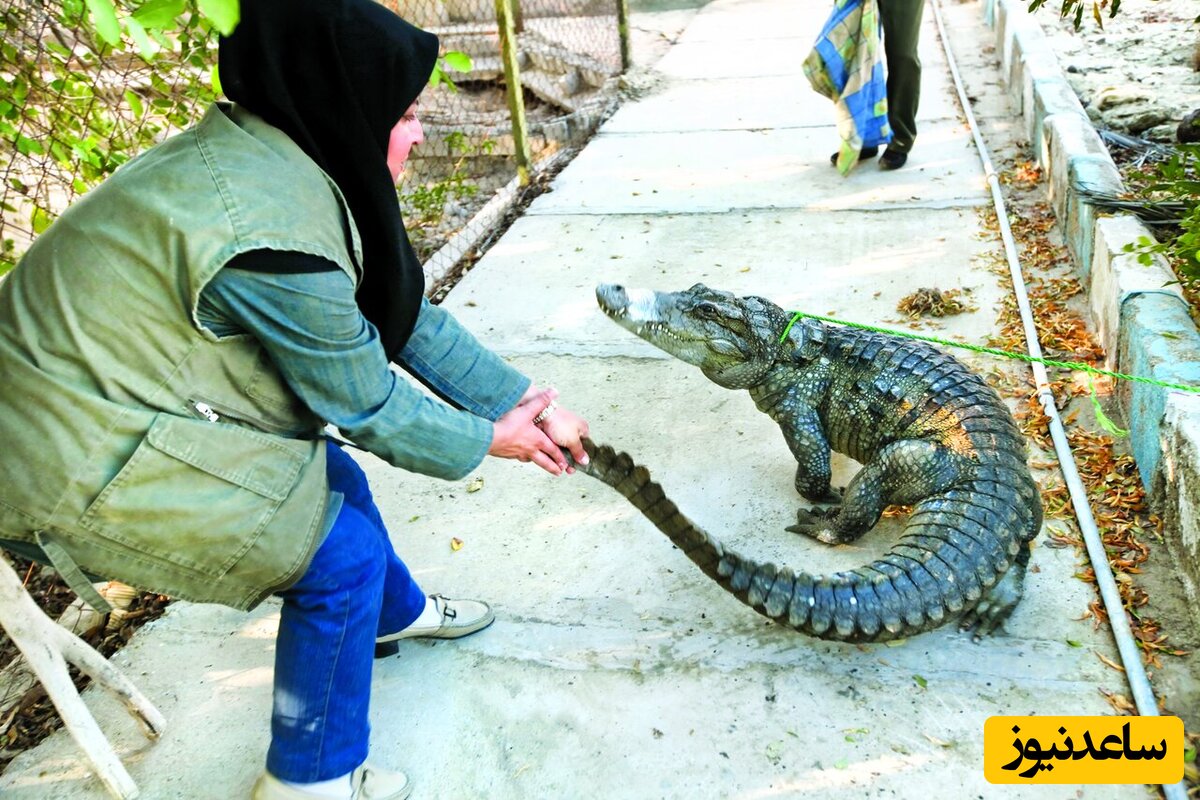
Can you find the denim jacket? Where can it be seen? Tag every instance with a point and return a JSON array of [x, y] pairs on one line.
[[332, 359]]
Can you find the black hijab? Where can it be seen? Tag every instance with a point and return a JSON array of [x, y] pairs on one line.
[[336, 76]]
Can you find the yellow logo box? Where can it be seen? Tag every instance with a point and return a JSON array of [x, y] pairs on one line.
[[1036, 750]]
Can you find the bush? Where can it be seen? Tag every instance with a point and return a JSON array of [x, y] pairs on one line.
[[1169, 195]]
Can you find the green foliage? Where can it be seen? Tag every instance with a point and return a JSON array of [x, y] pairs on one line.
[[224, 14], [1076, 9], [459, 62], [425, 203], [104, 19], [1174, 185], [159, 14], [87, 84]]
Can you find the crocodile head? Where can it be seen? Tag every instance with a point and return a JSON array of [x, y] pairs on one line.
[[734, 340]]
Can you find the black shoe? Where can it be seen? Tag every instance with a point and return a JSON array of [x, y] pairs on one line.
[[892, 159], [866, 152]]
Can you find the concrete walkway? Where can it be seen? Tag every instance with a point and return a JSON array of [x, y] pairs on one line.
[[616, 668]]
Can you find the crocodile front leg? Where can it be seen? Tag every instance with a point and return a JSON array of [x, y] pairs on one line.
[[806, 438], [902, 472]]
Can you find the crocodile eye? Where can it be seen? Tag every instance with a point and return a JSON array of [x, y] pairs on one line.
[[708, 310]]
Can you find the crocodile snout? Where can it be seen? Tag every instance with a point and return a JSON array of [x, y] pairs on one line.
[[612, 298], [629, 307]]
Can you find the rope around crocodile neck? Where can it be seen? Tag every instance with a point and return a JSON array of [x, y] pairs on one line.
[[1075, 365], [1101, 418]]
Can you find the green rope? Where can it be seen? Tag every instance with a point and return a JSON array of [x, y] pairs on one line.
[[1104, 421], [1101, 417]]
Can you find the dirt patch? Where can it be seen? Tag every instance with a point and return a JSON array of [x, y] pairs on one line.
[[1137, 74]]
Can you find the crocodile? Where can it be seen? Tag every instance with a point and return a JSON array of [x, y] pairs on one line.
[[929, 432]]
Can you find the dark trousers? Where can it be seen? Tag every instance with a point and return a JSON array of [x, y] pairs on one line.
[[901, 31]]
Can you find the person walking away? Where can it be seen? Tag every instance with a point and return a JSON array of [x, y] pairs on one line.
[[846, 67], [901, 35]]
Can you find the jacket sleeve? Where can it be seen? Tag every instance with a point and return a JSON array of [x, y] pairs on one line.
[[444, 356], [332, 358]]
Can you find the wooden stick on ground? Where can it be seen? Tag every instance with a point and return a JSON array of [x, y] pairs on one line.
[[48, 647], [18, 685]]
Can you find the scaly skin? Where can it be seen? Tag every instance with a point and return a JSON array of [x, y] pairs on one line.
[[928, 431]]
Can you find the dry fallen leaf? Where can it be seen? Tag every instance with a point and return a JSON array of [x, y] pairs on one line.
[[1119, 702], [475, 485], [456, 544]]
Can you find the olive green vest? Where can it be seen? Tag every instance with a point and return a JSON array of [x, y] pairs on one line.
[[134, 444]]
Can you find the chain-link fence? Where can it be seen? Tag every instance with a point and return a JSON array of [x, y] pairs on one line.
[[74, 108], [567, 53]]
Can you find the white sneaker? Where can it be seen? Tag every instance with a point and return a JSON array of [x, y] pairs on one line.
[[366, 783]]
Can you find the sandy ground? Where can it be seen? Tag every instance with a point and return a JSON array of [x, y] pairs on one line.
[[1136, 74]]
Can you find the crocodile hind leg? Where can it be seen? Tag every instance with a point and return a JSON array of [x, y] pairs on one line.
[[902, 472], [998, 603]]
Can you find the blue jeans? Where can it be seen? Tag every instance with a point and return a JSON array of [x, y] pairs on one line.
[[355, 589]]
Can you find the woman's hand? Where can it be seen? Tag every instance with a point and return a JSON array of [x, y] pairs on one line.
[[566, 428], [515, 436]]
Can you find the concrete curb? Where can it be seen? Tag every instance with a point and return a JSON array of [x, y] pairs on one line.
[[1142, 319]]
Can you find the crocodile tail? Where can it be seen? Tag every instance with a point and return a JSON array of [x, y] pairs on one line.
[[633, 481], [955, 546]]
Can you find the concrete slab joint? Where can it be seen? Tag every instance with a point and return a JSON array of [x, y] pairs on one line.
[[1067, 136], [1048, 97], [1086, 173], [1035, 72], [1154, 343]]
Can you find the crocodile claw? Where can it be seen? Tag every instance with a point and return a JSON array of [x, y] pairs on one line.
[[814, 522]]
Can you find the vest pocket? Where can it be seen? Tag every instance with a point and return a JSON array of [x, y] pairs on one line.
[[196, 494]]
